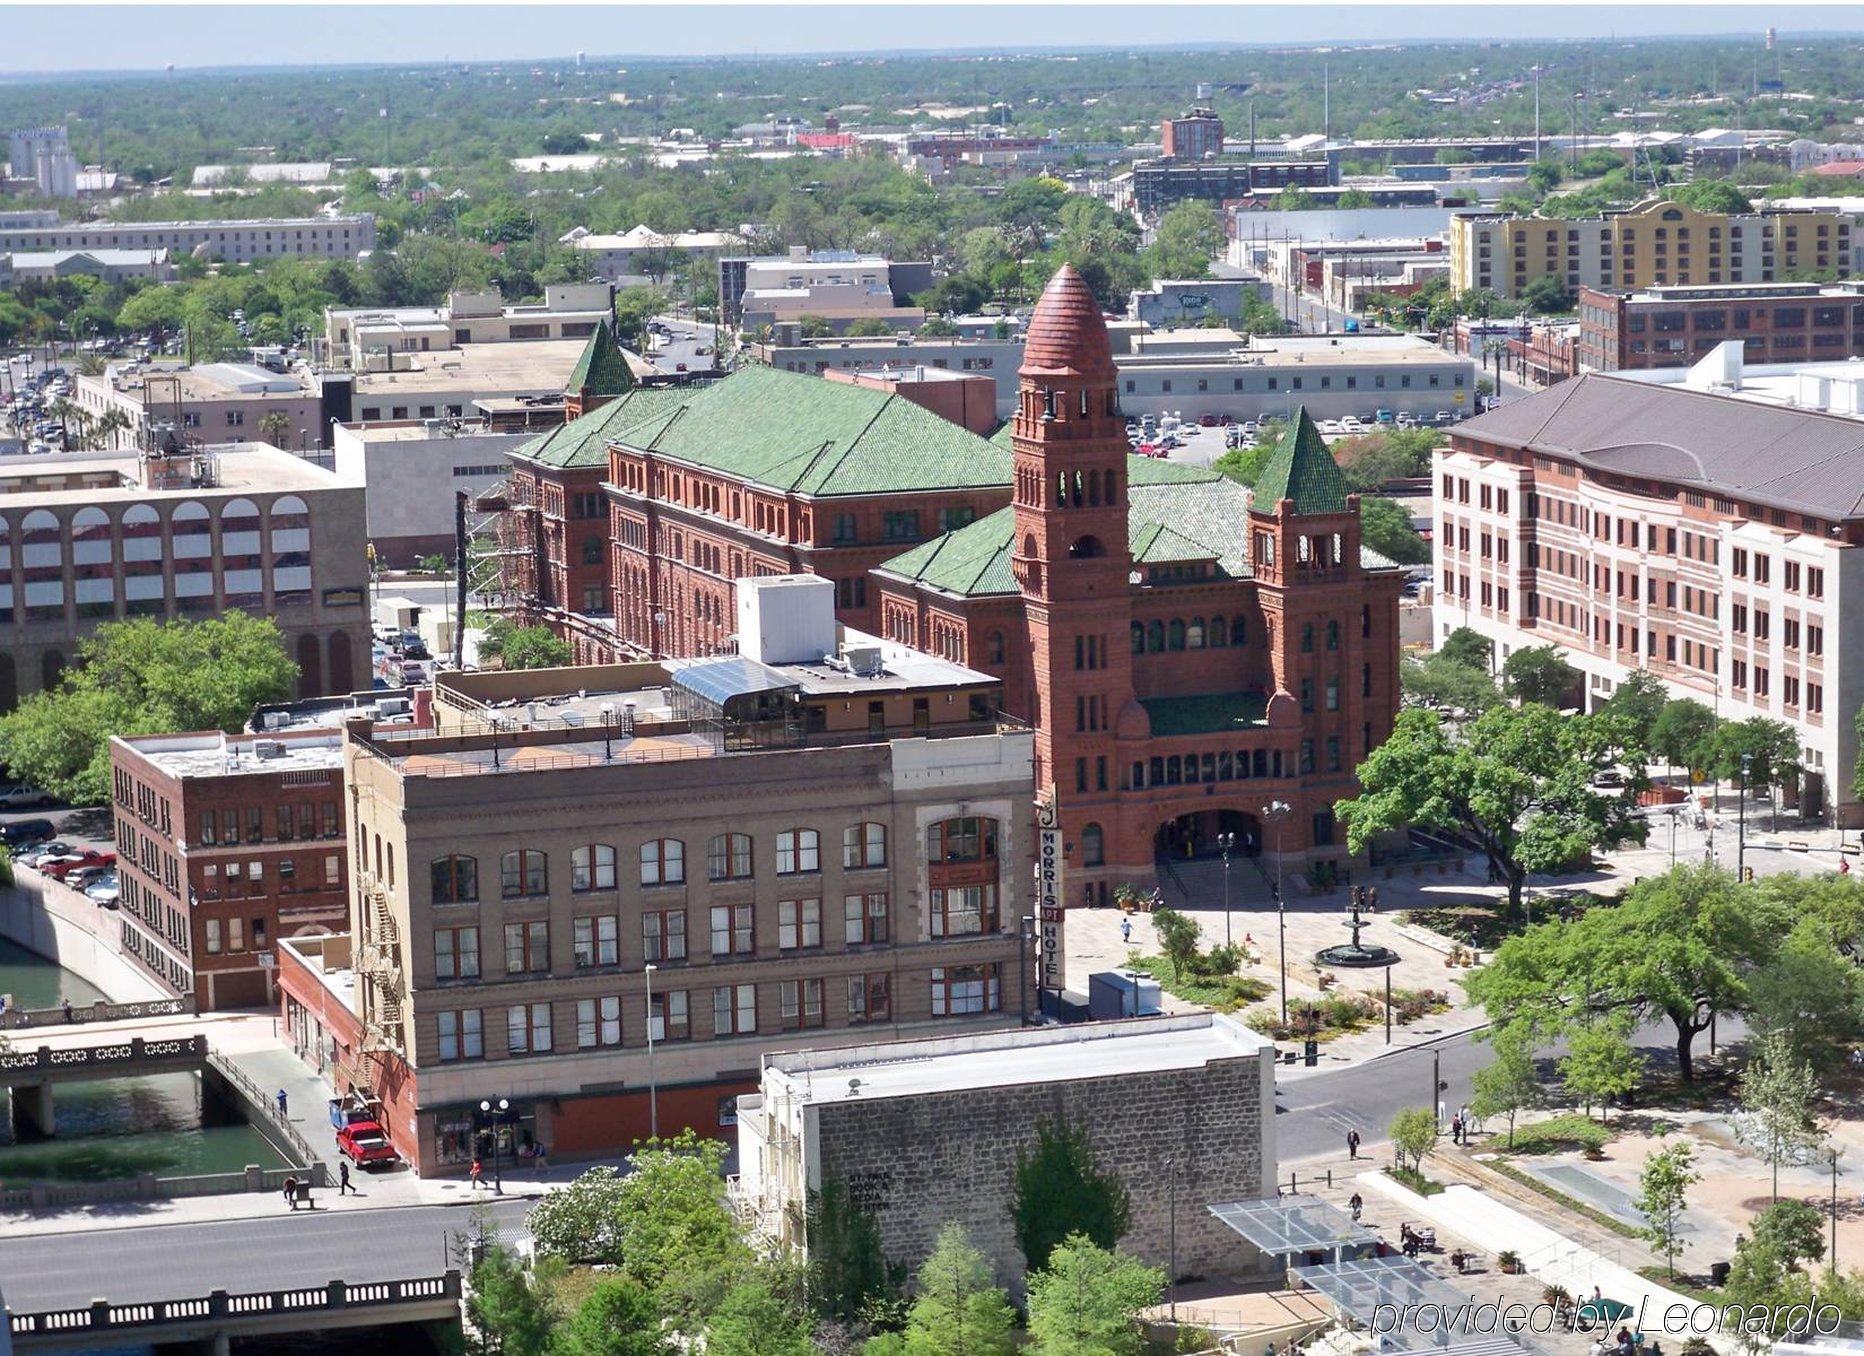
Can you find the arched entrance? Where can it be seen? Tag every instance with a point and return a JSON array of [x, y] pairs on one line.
[[310, 665], [1199, 834]]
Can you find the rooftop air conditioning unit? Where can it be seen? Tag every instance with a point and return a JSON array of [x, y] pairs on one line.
[[267, 748], [394, 706], [862, 660]]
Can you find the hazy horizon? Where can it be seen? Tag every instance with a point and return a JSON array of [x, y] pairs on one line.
[[79, 40]]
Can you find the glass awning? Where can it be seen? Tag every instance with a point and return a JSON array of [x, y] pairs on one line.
[[1293, 1224], [1407, 1307]]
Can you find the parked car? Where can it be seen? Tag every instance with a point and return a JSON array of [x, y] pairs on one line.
[[45, 852], [364, 1144], [83, 876], [1352, 424], [18, 797], [24, 832], [60, 868], [1332, 426], [105, 890]]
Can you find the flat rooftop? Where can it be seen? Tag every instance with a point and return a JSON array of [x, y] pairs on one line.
[[1351, 350], [97, 478], [1005, 1059], [208, 381], [538, 365], [213, 754], [550, 757]]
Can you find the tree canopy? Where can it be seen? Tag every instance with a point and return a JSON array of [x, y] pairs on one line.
[[1060, 1192], [1087, 1301]]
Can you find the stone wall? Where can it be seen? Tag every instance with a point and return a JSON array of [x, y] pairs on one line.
[[918, 1162], [61, 924]]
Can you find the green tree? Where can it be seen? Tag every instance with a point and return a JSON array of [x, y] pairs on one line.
[[143, 677], [1639, 701], [813, 327], [581, 1222], [1600, 1065], [1663, 1188], [525, 647], [275, 428], [510, 1311], [1711, 195], [1470, 648], [1087, 1301], [1516, 780], [1060, 1191], [1508, 1084], [1757, 751], [848, 1272], [1682, 733], [1386, 528], [1189, 236], [1810, 994], [634, 307], [1413, 1133], [1437, 680], [1353, 199], [958, 1312], [1539, 673], [1547, 295], [1678, 946], [618, 1317], [1294, 199], [1177, 936], [1545, 175], [1793, 1230], [754, 1320], [1779, 1098], [869, 327], [673, 1212]]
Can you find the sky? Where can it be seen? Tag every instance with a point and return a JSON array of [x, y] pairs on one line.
[[44, 39]]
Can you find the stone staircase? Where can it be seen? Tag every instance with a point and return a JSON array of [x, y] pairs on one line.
[[1197, 885]]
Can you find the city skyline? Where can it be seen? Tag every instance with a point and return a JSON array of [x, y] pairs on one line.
[[130, 39]]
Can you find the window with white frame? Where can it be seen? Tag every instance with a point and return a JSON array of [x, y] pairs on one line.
[[964, 990], [592, 867], [798, 851], [597, 941]]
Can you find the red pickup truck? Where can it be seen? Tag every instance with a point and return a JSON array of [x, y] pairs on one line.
[[363, 1143], [60, 867]]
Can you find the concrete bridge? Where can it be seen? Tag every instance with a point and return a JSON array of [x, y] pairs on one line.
[[31, 1074], [215, 1319]]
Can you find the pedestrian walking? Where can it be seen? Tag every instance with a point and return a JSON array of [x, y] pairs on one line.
[[1352, 1144], [473, 1172], [291, 1192], [284, 1104], [343, 1182], [1358, 1203], [1456, 1129], [1126, 930], [543, 1157], [1372, 899], [64, 1006]]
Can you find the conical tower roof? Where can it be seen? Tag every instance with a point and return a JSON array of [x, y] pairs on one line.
[[1301, 469], [1067, 336], [602, 369]]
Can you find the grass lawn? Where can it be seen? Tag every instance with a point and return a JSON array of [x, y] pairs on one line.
[[1486, 926], [1224, 993], [1555, 1135], [1414, 1179], [1685, 1285]]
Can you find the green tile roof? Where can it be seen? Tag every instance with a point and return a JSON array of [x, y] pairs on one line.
[[798, 433], [973, 561], [602, 369], [584, 441], [1205, 714], [1301, 469]]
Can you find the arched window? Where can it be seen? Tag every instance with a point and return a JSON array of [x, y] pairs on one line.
[[1139, 638], [968, 838], [92, 569], [728, 857], [524, 872], [864, 846], [1155, 636], [142, 560], [191, 544], [42, 556], [1093, 846], [242, 555], [663, 862], [1174, 770], [456, 880], [1194, 634], [1219, 633], [1174, 634], [290, 536], [798, 851], [592, 867]]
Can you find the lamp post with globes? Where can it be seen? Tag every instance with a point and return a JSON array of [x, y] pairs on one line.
[[1278, 811], [496, 1114], [1227, 842]]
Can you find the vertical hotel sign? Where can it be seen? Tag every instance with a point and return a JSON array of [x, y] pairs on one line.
[[1048, 893]]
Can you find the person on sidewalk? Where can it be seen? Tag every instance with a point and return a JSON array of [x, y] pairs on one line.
[[283, 1105], [1456, 1129], [473, 1172], [343, 1182], [64, 1006], [291, 1193], [1126, 930], [1352, 1144], [1358, 1203]]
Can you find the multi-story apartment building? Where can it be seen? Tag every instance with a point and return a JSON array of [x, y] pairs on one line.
[[207, 402], [602, 893], [1708, 539], [830, 283], [244, 526], [1780, 322], [1198, 135], [237, 242], [225, 845], [1152, 186], [1655, 243]]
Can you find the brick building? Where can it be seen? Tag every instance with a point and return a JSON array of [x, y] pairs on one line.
[[225, 845], [1197, 135], [1180, 1109], [605, 892], [1189, 654], [1676, 326]]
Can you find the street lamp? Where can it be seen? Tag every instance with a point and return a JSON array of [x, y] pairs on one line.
[[1171, 1175], [1226, 841], [1741, 820], [1024, 936], [653, 1088], [1279, 810], [1832, 1154], [496, 1114]]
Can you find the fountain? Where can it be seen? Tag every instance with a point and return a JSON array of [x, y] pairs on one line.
[[1357, 955]]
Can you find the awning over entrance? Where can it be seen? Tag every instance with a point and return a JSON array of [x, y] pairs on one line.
[[1408, 1308], [1294, 1225]]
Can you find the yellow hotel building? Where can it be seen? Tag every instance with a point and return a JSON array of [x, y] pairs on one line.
[[1655, 243]]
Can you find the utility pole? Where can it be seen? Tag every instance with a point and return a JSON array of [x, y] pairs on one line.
[[1537, 113], [1741, 823], [459, 579], [1326, 102]]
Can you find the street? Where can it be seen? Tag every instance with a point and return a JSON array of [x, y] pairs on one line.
[[127, 1264]]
